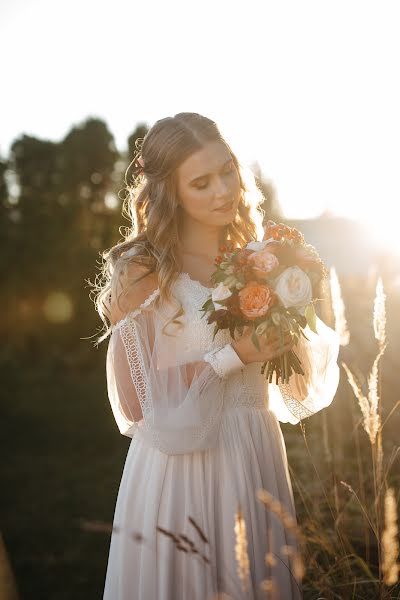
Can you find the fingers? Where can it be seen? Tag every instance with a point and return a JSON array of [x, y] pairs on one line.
[[287, 343], [271, 342], [280, 352], [273, 332], [276, 338]]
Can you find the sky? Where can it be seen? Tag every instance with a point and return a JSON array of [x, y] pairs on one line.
[[307, 89]]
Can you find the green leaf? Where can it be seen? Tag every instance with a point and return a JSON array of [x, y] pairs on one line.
[[311, 317], [304, 335], [216, 328], [276, 318]]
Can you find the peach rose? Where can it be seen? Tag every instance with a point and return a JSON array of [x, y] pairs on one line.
[[263, 262], [256, 299]]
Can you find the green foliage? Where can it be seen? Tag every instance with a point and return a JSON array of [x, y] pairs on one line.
[[54, 231], [311, 317]]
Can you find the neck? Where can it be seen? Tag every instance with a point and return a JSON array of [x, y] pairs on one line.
[[198, 239]]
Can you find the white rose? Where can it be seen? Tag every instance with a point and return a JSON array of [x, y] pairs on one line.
[[255, 246], [294, 288], [221, 292], [258, 245]]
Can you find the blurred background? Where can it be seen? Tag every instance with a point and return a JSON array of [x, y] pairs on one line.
[[306, 94]]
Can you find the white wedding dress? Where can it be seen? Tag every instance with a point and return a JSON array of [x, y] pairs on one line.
[[207, 442]]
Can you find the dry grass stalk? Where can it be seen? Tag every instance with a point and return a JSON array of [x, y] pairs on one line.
[[287, 550], [338, 308], [298, 566], [198, 529], [290, 524], [270, 559], [379, 318], [180, 540], [369, 405], [276, 507], [242, 557], [390, 543], [97, 526], [270, 588]]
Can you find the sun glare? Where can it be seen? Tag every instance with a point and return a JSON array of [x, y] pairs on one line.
[[384, 233]]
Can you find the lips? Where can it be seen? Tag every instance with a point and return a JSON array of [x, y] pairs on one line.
[[225, 206]]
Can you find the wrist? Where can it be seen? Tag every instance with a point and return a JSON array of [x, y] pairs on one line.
[[238, 352]]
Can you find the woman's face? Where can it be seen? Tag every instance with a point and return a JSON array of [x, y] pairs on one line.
[[207, 180]]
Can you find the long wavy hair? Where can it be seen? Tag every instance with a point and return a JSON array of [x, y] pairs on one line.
[[150, 203]]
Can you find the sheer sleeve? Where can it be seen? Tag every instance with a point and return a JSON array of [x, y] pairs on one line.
[[305, 395], [168, 392]]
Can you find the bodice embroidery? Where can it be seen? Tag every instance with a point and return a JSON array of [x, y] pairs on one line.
[[244, 388]]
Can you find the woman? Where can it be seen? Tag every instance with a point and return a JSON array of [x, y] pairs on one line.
[[203, 421]]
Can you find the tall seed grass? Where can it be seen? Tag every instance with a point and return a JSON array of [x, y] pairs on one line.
[[326, 562], [335, 567]]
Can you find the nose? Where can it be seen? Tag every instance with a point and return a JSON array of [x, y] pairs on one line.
[[221, 188]]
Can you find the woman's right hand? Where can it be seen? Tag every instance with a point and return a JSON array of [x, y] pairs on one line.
[[269, 345]]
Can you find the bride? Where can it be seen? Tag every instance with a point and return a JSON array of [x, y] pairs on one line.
[[203, 421]]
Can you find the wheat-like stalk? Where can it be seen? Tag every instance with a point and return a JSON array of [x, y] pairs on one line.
[[290, 525], [390, 543], [242, 557], [368, 406], [379, 319], [270, 588], [338, 308]]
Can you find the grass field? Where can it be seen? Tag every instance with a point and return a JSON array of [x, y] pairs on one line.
[[63, 458]]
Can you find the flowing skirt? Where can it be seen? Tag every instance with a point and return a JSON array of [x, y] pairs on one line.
[[193, 499]]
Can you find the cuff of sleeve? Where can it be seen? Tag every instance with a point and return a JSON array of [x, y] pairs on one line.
[[224, 360]]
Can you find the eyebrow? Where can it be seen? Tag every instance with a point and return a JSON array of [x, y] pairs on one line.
[[206, 174]]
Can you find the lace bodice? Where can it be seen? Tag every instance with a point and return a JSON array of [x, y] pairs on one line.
[[244, 388], [177, 383]]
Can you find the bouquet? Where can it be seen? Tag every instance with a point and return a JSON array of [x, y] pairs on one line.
[[264, 285]]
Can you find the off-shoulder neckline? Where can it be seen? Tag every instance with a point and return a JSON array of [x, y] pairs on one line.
[[136, 311], [154, 294], [184, 274]]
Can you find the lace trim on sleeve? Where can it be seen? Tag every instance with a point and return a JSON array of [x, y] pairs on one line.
[[211, 358], [133, 313], [293, 405], [128, 329], [224, 360], [129, 335]]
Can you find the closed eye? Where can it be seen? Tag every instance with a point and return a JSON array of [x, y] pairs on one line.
[[203, 187]]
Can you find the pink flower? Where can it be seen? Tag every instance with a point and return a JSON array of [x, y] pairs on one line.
[[263, 262]]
